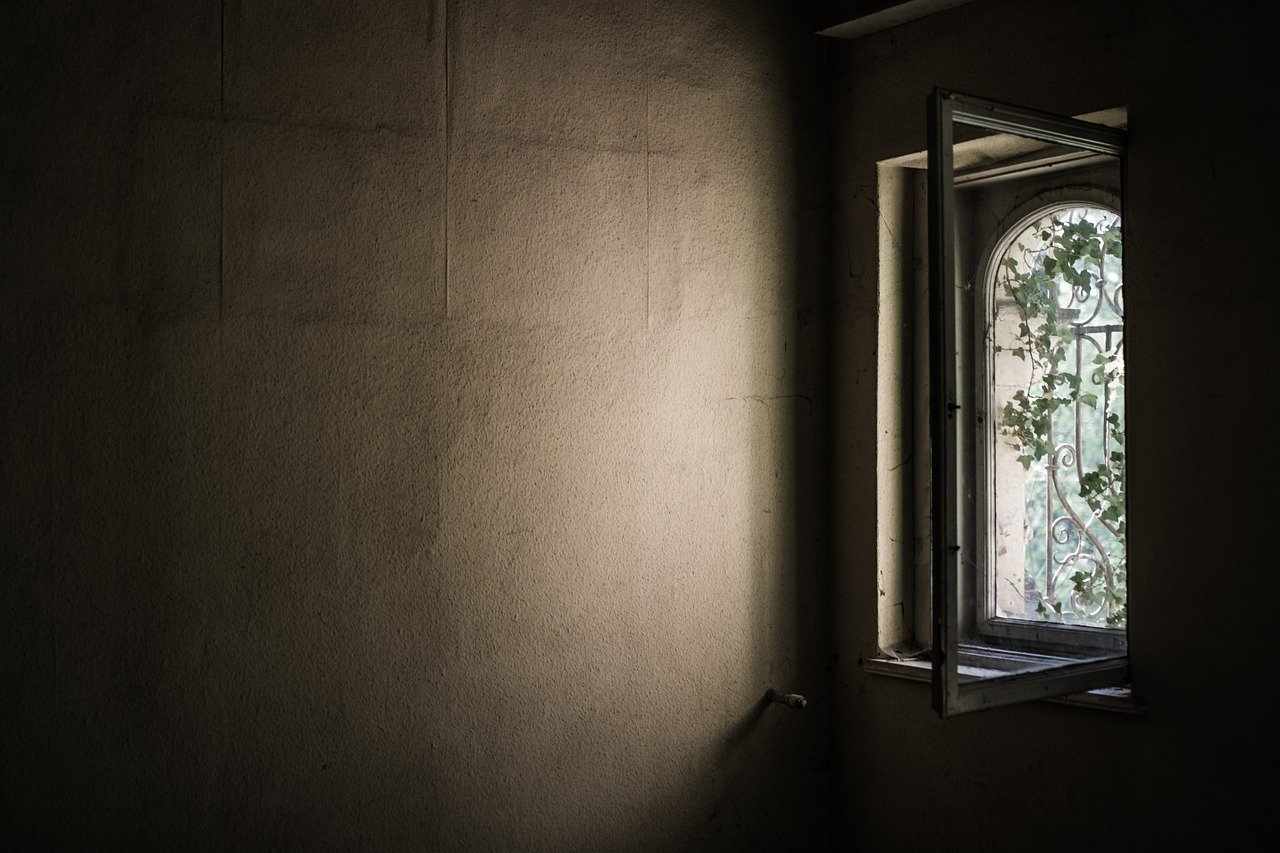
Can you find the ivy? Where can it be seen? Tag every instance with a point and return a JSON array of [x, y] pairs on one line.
[[1068, 268]]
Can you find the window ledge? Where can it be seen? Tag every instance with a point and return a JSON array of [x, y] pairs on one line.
[[1117, 699]]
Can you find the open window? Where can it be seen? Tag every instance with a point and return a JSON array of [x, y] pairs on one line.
[[1028, 526]]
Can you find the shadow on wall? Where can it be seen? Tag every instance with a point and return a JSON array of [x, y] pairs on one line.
[[381, 472]]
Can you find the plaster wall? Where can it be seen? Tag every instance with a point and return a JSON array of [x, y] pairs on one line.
[[1200, 300], [412, 425]]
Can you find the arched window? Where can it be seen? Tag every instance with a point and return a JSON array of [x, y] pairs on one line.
[[1051, 466]]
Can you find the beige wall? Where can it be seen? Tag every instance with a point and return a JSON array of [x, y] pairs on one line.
[[415, 428], [412, 425], [1201, 300]]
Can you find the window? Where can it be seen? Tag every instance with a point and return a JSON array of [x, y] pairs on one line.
[[1018, 587]]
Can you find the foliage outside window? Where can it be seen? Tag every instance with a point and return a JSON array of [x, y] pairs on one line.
[[1056, 335]]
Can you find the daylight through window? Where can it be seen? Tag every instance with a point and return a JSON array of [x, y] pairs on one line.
[[1056, 470]]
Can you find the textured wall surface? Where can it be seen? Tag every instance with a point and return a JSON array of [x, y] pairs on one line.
[[1201, 373], [413, 418]]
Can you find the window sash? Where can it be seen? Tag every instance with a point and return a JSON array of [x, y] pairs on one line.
[[963, 676]]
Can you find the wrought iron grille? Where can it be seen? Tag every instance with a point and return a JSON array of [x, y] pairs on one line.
[[1068, 426]]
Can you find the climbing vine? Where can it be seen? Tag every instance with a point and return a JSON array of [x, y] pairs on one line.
[[1067, 278]]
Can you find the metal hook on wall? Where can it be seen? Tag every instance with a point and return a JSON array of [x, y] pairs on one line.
[[791, 700]]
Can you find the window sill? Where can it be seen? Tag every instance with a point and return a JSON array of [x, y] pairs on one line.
[[1116, 699]]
